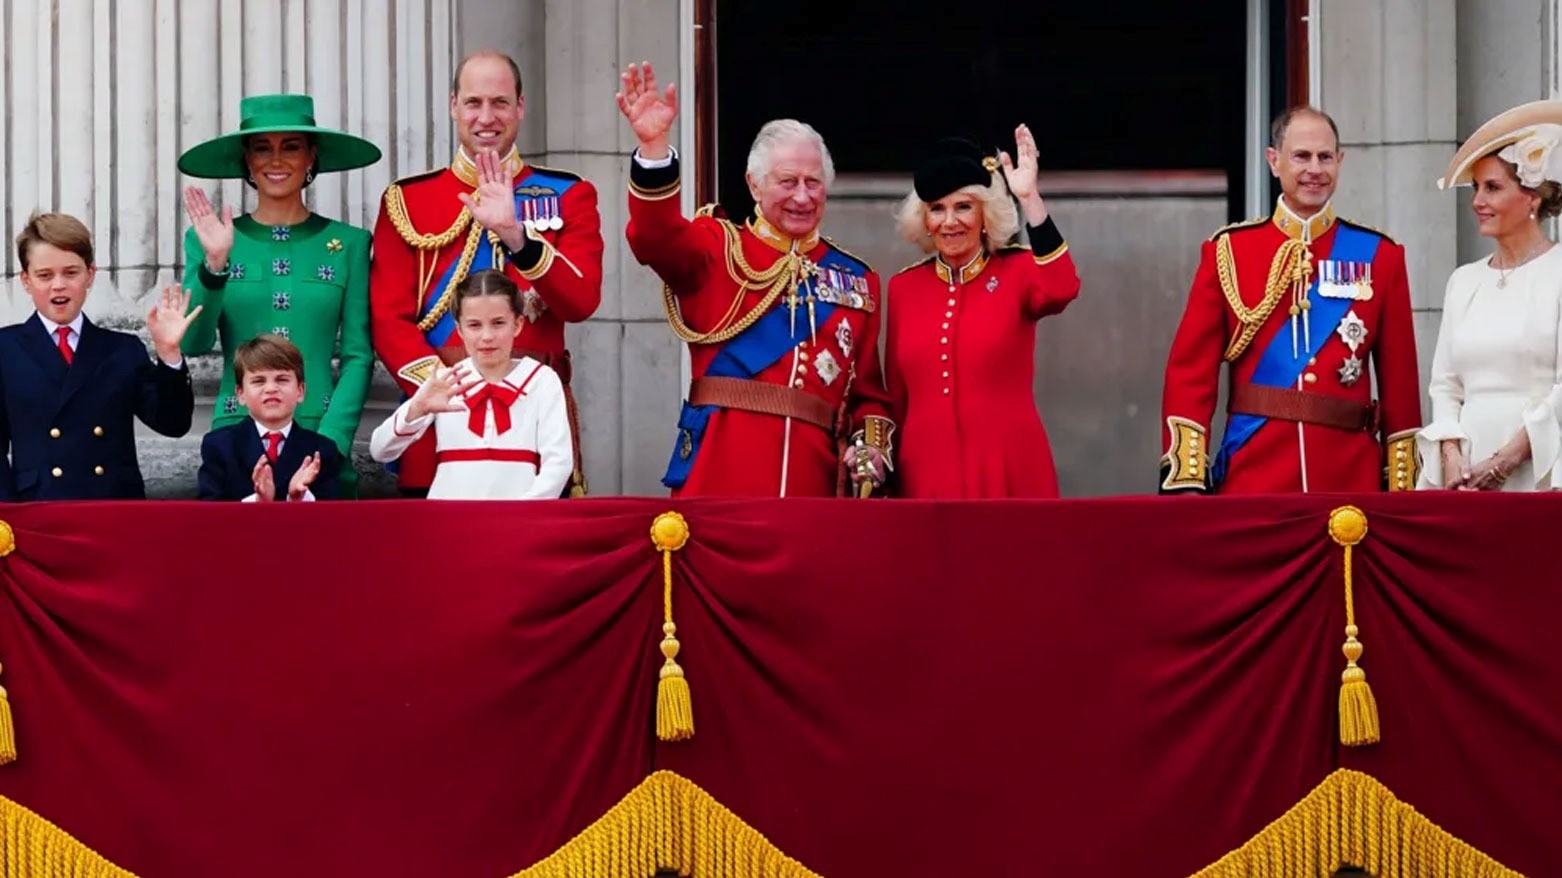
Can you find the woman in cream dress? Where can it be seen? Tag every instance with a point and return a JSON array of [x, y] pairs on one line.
[[1496, 382]]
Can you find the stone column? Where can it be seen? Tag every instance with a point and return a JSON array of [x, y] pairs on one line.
[[1387, 76]]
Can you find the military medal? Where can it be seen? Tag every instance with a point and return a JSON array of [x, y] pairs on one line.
[[527, 214], [1364, 285], [556, 222], [1350, 370]]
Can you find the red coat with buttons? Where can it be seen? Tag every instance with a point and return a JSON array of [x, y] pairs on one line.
[[1288, 456], [746, 453], [960, 361]]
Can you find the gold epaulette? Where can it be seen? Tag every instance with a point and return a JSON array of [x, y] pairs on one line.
[[1366, 228], [831, 241], [410, 178], [1231, 227], [557, 172], [919, 263], [713, 209], [1016, 246]]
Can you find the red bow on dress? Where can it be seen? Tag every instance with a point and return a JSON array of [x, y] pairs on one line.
[[497, 396]]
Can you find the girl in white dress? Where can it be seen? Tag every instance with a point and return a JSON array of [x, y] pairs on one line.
[[501, 431], [1496, 383]]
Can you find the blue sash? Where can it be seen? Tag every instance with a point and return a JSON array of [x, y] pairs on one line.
[[537, 187], [756, 349], [1277, 367]]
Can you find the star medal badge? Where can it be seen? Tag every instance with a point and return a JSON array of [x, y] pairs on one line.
[[1352, 331], [531, 305], [843, 338], [827, 367], [1350, 370]]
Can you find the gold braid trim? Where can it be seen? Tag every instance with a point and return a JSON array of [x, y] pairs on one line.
[[396, 209], [31, 845], [668, 822], [782, 277], [1353, 820], [463, 265], [1292, 265]]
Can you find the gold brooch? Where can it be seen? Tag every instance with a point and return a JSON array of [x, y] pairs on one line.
[[334, 245], [990, 164]]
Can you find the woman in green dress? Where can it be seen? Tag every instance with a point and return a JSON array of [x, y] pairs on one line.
[[282, 269]]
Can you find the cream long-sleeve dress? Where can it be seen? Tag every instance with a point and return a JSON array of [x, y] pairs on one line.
[[1498, 367]]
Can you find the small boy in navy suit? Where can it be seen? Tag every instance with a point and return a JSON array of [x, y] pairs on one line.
[[267, 456], [70, 390]]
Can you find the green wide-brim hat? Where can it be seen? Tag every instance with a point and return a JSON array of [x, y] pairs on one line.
[[222, 158]]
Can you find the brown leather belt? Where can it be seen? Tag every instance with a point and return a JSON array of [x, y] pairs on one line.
[[767, 399], [1309, 408]]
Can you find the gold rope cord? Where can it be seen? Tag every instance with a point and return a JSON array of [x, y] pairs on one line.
[[782, 277], [1359, 724], [463, 265], [674, 707], [1292, 265], [1353, 820], [396, 209]]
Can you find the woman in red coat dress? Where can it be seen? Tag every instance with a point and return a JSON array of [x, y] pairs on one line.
[[961, 340]]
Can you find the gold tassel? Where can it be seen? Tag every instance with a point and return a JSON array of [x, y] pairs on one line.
[[7, 730], [7, 727], [674, 707], [1358, 709]]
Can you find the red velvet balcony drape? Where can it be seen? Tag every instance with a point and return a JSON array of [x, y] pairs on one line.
[[1122, 687]]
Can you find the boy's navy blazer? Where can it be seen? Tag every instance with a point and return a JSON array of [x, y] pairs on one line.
[[228, 456], [70, 430]]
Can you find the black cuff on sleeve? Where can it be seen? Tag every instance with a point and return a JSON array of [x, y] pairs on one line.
[[653, 179], [212, 281], [1045, 239], [529, 256]]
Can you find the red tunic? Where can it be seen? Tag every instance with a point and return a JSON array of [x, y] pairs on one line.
[[1290, 455], [960, 360], [746, 453], [567, 278]]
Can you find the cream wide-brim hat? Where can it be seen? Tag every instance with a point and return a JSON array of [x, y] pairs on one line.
[[1505, 128]]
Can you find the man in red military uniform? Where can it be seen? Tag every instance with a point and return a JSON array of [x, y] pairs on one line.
[[488, 209], [788, 398], [1296, 303]]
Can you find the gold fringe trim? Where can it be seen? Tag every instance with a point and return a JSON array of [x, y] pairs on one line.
[[1358, 709], [1353, 820], [674, 707], [7, 727], [32, 846], [668, 822]]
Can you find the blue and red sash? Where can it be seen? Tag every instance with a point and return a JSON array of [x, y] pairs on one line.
[[537, 194], [756, 349]]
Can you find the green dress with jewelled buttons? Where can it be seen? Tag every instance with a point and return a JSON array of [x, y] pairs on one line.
[[308, 283]]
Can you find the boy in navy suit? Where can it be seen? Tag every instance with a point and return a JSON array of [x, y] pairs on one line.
[[267, 456], [70, 391]]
